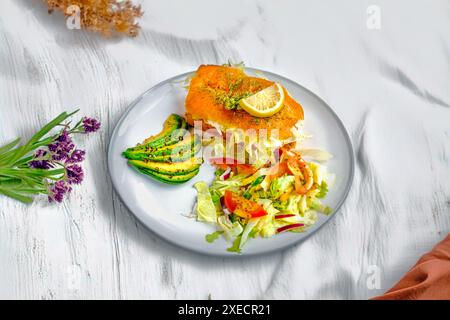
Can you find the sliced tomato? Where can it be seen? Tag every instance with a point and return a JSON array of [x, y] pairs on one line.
[[242, 207], [229, 202], [260, 212]]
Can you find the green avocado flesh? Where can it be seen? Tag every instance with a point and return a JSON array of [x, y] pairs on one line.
[[180, 151], [175, 179], [177, 156], [169, 156], [175, 168], [174, 128]]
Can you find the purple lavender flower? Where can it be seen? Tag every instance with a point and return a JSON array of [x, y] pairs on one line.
[[90, 125], [75, 174], [76, 156], [61, 147], [40, 153], [58, 190], [65, 141], [40, 163]]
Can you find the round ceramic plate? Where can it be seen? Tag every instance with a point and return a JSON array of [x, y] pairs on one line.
[[164, 208]]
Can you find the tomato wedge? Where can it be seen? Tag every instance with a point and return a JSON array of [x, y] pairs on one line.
[[242, 207], [229, 201], [260, 212]]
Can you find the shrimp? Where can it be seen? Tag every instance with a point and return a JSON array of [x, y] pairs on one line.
[[303, 175]]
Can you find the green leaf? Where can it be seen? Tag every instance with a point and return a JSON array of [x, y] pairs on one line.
[[235, 246], [213, 236], [8, 182], [23, 161], [30, 190], [16, 195], [48, 127], [9, 146], [34, 142]]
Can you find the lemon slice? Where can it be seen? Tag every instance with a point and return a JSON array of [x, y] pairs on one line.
[[264, 103]]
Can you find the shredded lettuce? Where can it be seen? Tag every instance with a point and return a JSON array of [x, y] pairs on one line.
[[281, 185], [266, 224], [213, 236], [316, 154], [293, 204], [236, 246], [230, 229], [267, 227], [308, 218], [248, 193], [323, 190], [319, 172], [233, 183], [316, 205], [205, 208], [248, 228], [215, 196]]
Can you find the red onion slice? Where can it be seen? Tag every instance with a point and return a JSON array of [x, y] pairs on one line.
[[282, 216], [226, 174], [289, 227]]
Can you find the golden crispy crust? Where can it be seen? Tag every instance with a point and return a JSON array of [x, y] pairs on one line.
[[213, 85]]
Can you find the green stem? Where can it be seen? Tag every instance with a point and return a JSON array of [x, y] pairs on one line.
[[16, 195]]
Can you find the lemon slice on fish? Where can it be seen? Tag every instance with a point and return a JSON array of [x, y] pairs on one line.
[[264, 103]]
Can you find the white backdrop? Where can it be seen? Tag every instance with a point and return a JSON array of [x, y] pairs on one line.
[[390, 86]]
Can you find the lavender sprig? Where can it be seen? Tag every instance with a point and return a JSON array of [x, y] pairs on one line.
[[49, 163]]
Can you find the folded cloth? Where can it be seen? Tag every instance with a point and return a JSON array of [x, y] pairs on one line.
[[428, 279]]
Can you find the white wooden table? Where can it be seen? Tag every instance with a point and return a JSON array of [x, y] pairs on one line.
[[390, 86]]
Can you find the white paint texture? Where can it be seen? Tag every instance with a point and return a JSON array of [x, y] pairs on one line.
[[391, 87]]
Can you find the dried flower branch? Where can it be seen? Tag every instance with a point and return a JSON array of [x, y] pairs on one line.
[[104, 16]]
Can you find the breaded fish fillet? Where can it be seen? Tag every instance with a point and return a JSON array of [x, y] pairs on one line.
[[215, 91]]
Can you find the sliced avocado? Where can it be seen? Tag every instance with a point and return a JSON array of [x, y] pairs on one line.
[[181, 156], [180, 151], [188, 142], [176, 179], [176, 168], [174, 129]]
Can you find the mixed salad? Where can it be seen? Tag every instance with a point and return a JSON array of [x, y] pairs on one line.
[[245, 201]]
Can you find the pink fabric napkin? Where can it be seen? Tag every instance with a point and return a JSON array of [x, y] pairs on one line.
[[428, 279]]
